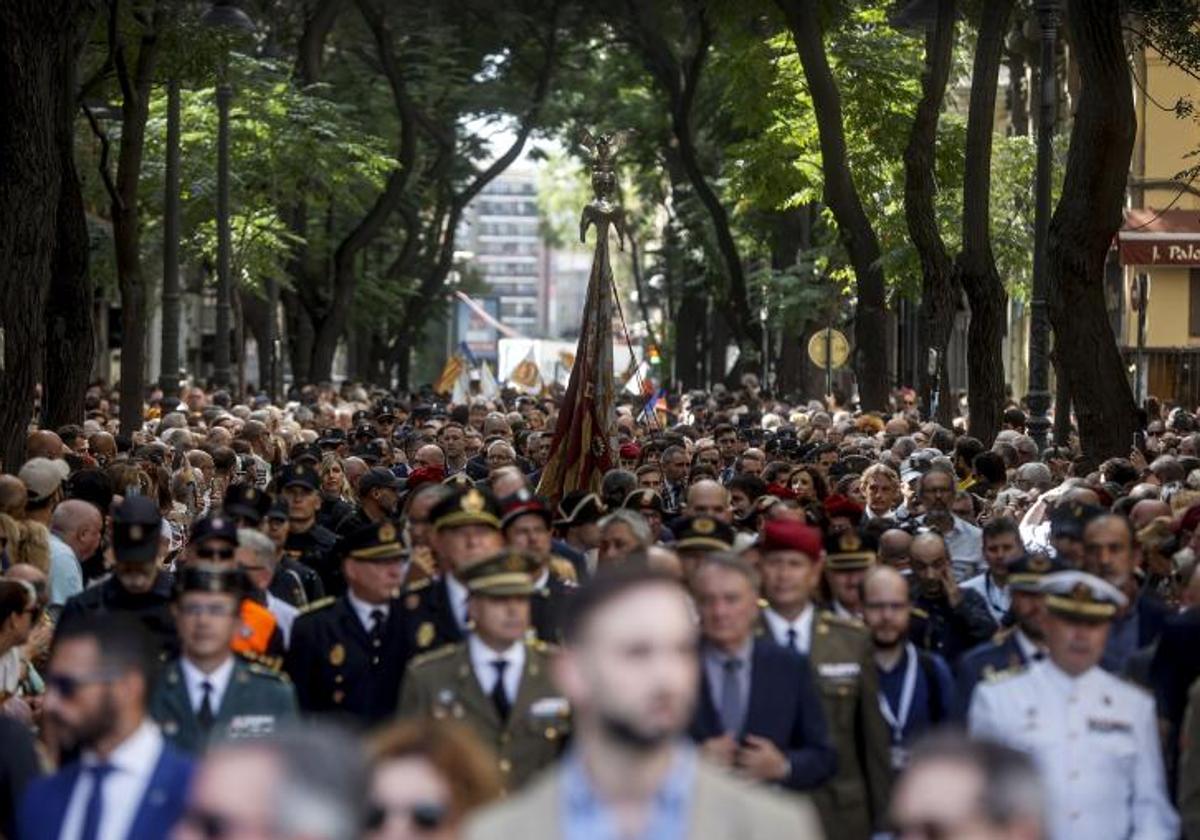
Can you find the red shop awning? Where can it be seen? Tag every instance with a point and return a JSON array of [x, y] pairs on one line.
[[1154, 237]]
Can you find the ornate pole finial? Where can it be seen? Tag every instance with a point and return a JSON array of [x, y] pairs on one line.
[[603, 209]]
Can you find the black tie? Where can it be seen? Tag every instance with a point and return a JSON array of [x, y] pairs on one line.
[[792, 638], [378, 617], [205, 714], [94, 810], [499, 695]]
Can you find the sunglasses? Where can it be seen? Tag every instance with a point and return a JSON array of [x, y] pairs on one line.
[[215, 553], [68, 685], [423, 816]]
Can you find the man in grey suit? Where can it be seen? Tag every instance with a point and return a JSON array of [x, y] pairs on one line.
[[629, 669]]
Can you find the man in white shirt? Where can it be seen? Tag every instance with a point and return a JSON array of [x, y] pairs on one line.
[[1094, 737], [498, 680], [127, 783], [1001, 545], [75, 530], [964, 541]]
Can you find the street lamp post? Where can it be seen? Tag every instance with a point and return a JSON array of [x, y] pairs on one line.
[[168, 378], [229, 21], [1048, 12]]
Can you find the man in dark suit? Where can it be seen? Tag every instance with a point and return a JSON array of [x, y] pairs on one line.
[[210, 693], [1108, 553], [1173, 671], [349, 653], [759, 710], [526, 527], [466, 530], [128, 782]]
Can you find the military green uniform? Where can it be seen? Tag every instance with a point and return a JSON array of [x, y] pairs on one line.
[[854, 802], [256, 702], [442, 684]]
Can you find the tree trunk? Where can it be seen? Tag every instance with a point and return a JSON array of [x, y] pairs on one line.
[[70, 333], [688, 321], [32, 33], [940, 291], [135, 107], [976, 263], [842, 198], [1082, 229]]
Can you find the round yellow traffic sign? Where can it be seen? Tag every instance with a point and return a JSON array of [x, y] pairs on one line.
[[839, 348]]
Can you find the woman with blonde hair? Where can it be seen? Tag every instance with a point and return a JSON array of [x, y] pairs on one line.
[[427, 776]]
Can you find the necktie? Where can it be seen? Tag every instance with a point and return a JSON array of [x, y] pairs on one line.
[[499, 695], [95, 803], [205, 713], [792, 639], [378, 617], [731, 697]]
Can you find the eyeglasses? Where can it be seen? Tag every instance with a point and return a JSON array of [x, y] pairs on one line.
[[215, 553], [68, 685], [423, 816]]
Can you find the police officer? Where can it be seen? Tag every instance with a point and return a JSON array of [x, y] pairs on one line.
[[214, 539], [347, 654], [308, 542], [466, 530], [840, 652], [1094, 736], [498, 681], [1024, 642], [378, 499], [293, 581], [138, 584], [526, 527], [210, 693]]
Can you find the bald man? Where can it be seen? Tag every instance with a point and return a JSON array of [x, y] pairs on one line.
[[429, 455], [75, 530], [708, 498], [103, 447], [894, 545], [44, 444], [949, 619], [1146, 511]]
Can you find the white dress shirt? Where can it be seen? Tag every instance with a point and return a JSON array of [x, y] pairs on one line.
[[363, 610], [285, 615], [482, 658], [194, 678], [802, 625], [124, 788], [1095, 740], [459, 595], [998, 597]]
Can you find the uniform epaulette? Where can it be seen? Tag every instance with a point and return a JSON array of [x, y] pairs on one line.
[[845, 621], [919, 613], [416, 586], [1003, 634], [319, 604], [261, 664], [1002, 674], [264, 670], [540, 646], [433, 655], [563, 570]]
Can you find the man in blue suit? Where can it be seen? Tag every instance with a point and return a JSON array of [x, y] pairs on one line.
[[127, 783], [758, 710]]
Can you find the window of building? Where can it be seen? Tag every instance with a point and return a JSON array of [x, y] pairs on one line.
[[1194, 302]]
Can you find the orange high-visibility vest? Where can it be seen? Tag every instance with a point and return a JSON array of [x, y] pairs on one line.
[[257, 626]]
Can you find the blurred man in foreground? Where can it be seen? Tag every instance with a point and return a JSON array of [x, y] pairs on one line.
[[629, 669]]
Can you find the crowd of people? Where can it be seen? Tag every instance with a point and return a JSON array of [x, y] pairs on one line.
[[353, 616]]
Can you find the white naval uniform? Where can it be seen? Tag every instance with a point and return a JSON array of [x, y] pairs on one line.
[[1095, 741]]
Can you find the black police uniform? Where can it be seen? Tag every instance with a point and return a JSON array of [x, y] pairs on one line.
[[316, 547], [136, 528], [336, 664]]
